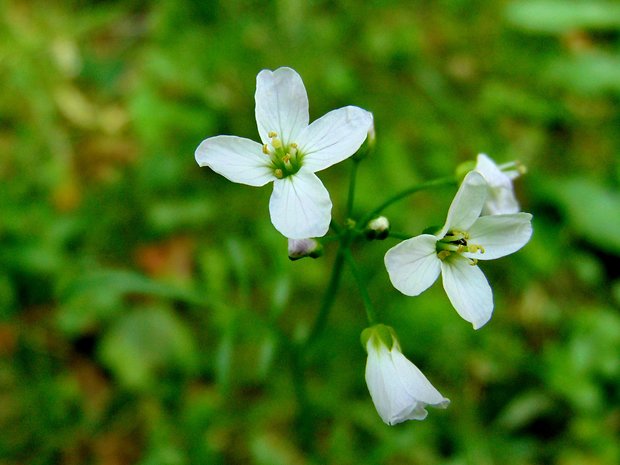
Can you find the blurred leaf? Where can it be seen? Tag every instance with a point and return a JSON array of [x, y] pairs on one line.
[[97, 297], [557, 16], [167, 216], [524, 408], [146, 344], [589, 73], [588, 355], [592, 210], [272, 449], [7, 297]]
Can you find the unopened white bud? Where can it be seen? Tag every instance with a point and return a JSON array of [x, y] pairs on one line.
[[300, 248], [379, 228]]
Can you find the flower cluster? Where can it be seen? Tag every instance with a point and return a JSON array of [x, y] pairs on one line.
[[484, 222]]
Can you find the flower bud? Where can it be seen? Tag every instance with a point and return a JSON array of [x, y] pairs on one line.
[[379, 228], [300, 248], [369, 144]]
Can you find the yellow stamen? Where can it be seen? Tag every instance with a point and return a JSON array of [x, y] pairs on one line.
[[272, 134], [278, 173], [443, 254], [475, 248], [277, 143], [266, 149]]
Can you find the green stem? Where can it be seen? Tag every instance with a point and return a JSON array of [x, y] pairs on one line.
[[398, 235], [441, 182], [305, 421], [329, 297], [352, 182], [371, 313]]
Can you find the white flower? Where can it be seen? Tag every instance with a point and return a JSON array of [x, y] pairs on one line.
[[398, 388], [501, 196], [290, 153], [415, 264]]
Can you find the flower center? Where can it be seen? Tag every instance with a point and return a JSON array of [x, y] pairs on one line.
[[286, 160], [457, 242]]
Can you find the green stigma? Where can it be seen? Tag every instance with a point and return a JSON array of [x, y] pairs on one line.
[[456, 242]]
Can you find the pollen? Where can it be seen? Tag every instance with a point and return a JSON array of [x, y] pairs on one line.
[[272, 134], [278, 173], [443, 254], [266, 149]]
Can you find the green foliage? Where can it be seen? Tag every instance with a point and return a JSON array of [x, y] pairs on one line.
[[146, 304]]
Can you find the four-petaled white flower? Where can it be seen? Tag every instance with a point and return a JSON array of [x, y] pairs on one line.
[[398, 388], [466, 237], [501, 196], [291, 152]]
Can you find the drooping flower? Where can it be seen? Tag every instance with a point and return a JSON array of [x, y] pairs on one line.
[[290, 153], [398, 388], [466, 237], [501, 196]]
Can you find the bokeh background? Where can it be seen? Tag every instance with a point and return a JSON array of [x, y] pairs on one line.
[[139, 292]]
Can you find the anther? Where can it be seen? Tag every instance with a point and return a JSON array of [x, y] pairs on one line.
[[266, 149], [475, 248], [277, 143], [443, 255], [473, 261], [272, 134], [278, 173]]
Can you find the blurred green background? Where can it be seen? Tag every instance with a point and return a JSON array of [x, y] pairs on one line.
[[137, 290]]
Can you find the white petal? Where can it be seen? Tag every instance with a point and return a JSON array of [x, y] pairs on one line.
[[500, 235], [468, 290], [398, 388], [491, 172], [413, 265], [380, 372], [416, 384], [500, 200], [281, 104], [467, 204], [300, 206], [500, 197], [237, 159], [334, 137]]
